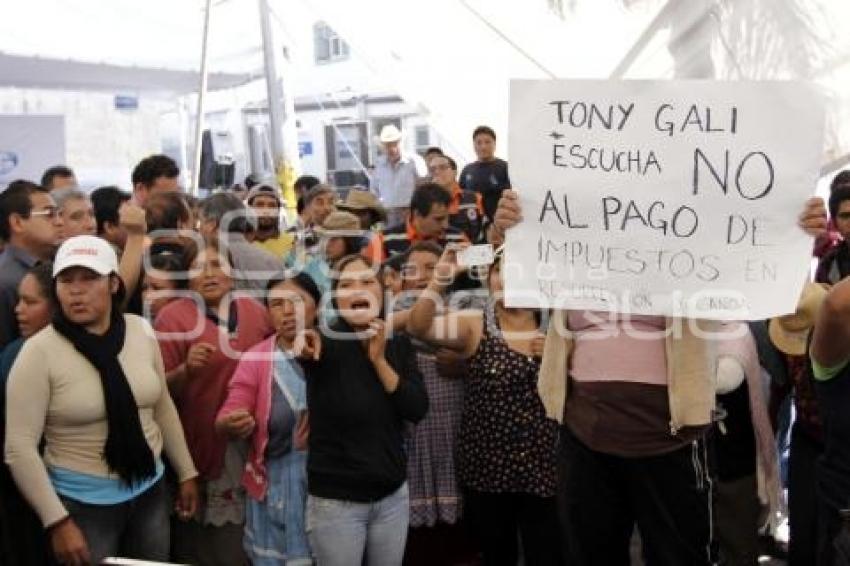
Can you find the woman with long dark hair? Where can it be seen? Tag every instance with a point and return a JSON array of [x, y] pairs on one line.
[[266, 404], [362, 386], [22, 538], [93, 386], [34, 311], [160, 281]]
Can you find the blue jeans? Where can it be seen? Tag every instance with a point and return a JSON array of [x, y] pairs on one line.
[[341, 531], [139, 528]]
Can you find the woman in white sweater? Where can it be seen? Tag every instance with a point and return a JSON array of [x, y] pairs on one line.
[[93, 385]]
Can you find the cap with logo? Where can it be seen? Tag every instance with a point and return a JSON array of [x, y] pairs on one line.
[[90, 252]]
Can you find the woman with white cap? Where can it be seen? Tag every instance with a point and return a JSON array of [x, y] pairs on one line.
[[92, 385]]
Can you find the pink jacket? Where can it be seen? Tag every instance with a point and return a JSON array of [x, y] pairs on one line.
[[251, 389]]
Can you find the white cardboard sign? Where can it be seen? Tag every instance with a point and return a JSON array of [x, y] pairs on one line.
[[676, 198]]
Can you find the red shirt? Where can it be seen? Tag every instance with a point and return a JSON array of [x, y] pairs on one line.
[[205, 391]]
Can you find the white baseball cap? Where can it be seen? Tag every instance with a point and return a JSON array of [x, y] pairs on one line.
[[86, 251]]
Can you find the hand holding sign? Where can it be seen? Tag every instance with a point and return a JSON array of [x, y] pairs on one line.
[[508, 214], [813, 219]]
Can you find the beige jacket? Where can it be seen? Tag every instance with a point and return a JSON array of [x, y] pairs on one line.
[[691, 366], [56, 393]]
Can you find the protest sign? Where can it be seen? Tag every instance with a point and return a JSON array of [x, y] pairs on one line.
[[676, 198]]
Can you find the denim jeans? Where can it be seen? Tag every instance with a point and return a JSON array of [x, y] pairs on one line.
[[341, 531], [138, 528]]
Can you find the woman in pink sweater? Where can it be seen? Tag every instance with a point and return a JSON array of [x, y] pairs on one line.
[[266, 403]]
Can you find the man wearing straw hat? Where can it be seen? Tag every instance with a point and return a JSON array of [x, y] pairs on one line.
[[339, 236], [365, 206], [396, 174]]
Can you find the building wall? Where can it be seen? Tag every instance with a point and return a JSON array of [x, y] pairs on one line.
[[102, 143], [323, 93]]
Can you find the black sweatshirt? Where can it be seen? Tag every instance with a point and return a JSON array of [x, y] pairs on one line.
[[356, 450]]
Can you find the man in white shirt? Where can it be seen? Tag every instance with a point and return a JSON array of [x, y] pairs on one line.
[[396, 175]]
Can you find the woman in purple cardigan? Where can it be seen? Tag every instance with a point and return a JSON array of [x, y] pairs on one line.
[[266, 403]]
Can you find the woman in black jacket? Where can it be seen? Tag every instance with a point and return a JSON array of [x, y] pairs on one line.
[[362, 385]]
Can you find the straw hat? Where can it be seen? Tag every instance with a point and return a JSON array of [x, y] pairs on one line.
[[790, 333], [339, 221], [390, 133], [363, 200]]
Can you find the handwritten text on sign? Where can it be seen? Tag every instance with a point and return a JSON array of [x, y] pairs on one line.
[[669, 198]]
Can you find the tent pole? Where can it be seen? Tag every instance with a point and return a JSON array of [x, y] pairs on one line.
[[659, 21], [272, 87], [202, 92], [835, 165]]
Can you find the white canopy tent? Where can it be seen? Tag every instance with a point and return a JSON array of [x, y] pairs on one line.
[[63, 74], [452, 59]]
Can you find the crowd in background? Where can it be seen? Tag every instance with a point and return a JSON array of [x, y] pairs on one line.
[[227, 381]]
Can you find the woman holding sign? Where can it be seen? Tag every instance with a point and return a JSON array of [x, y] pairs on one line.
[[633, 447]]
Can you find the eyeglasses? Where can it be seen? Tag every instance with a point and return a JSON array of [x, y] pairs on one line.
[[442, 167], [79, 215], [46, 212]]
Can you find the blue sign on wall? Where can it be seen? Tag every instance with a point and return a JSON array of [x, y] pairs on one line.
[[8, 162], [126, 102], [305, 148]]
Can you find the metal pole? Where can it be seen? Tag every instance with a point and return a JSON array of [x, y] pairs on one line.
[[272, 86], [660, 20], [202, 92], [835, 165]]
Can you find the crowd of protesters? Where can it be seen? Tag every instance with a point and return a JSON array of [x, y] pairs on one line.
[[225, 381]]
